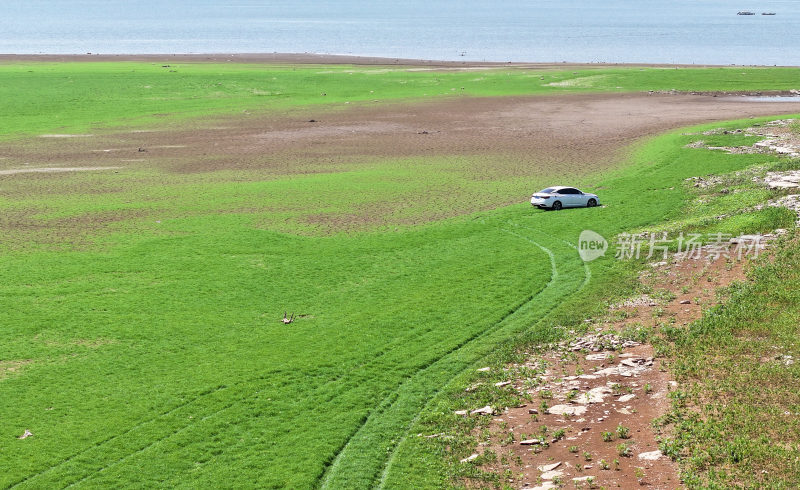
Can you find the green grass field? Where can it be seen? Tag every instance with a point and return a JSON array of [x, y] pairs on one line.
[[146, 353], [53, 97]]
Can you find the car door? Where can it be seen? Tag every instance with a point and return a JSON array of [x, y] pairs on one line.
[[572, 197]]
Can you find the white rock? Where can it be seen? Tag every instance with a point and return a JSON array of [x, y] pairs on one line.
[[782, 185], [609, 371], [530, 442], [595, 395], [650, 456], [502, 383], [470, 458], [582, 478], [567, 409], [25, 434], [549, 475], [548, 467], [597, 357], [626, 398], [487, 410], [463, 413], [484, 369]]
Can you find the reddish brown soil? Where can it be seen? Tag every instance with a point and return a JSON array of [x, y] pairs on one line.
[[582, 448]]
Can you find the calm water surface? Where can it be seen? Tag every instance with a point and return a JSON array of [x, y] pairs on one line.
[[679, 31]]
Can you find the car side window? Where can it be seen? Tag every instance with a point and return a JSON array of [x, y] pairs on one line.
[[569, 191]]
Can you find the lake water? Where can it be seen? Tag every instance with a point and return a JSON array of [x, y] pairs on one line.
[[678, 31]]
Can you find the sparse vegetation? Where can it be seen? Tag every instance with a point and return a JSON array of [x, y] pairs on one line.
[[731, 427]]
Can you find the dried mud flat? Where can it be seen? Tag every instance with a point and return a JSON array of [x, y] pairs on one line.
[[524, 136], [601, 394]]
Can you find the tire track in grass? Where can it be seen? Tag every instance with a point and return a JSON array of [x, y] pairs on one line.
[[144, 425], [115, 436], [348, 464], [161, 419], [553, 275], [587, 277]]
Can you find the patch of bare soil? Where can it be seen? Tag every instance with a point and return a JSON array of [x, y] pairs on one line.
[[520, 136], [476, 139], [596, 396]]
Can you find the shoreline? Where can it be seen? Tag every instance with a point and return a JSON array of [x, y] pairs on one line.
[[333, 59]]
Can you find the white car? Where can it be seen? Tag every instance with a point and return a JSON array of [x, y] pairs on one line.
[[558, 197]]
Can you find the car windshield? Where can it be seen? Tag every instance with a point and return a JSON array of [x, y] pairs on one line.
[[549, 190]]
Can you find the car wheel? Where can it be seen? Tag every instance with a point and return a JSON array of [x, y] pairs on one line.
[[591, 203], [557, 205]]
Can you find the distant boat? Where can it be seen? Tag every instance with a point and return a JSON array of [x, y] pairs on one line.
[[767, 13], [745, 12]]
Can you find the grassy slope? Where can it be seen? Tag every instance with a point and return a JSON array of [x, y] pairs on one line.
[[735, 418], [655, 184], [158, 347]]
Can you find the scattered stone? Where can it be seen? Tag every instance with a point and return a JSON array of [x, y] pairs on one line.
[[626, 398], [549, 475], [462, 413], [472, 457], [595, 395], [609, 371], [530, 442], [548, 467], [546, 486], [502, 383], [651, 456], [533, 411], [25, 434], [637, 362], [582, 478], [487, 410], [567, 410], [484, 369], [686, 302], [597, 357]]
